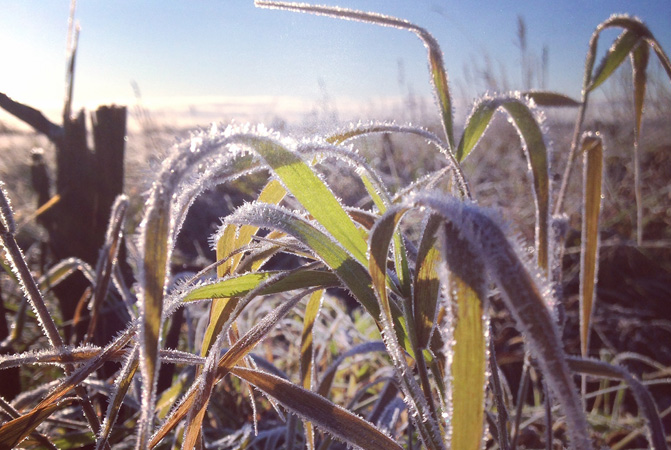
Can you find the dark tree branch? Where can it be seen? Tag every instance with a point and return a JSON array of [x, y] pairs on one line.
[[32, 117]]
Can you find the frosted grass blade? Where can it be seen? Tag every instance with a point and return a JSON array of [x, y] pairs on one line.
[[635, 32], [313, 194], [551, 99], [435, 55], [426, 284], [468, 288], [536, 150], [61, 271], [107, 260], [420, 403], [592, 146], [523, 292], [239, 285], [231, 240], [326, 415], [374, 128], [16, 430], [620, 49], [121, 384], [352, 274]]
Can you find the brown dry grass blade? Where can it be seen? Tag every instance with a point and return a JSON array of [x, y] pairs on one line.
[[592, 145], [14, 431], [328, 416]]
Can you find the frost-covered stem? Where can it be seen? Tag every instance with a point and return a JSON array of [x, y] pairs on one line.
[[571, 155], [637, 190], [29, 286], [33, 294], [502, 412], [521, 395], [587, 79]]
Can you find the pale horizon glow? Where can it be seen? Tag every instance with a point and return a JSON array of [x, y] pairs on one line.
[[230, 60]]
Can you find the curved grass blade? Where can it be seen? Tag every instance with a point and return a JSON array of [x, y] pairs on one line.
[[592, 146], [352, 274], [62, 270], [374, 128], [239, 285], [314, 408], [535, 149], [524, 296], [646, 404], [620, 49], [435, 55], [551, 99], [313, 194]]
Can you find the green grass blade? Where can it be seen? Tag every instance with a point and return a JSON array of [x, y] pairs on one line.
[[435, 55], [239, 285], [328, 416], [592, 147], [536, 151], [537, 157], [426, 283], [620, 49], [313, 194], [348, 269], [476, 125]]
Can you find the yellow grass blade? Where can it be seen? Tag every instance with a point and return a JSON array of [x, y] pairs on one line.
[[592, 147], [468, 289]]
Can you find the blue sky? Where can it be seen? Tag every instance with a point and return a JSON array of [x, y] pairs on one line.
[[195, 50]]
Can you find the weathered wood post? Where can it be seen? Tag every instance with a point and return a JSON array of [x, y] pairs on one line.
[[87, 182]]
